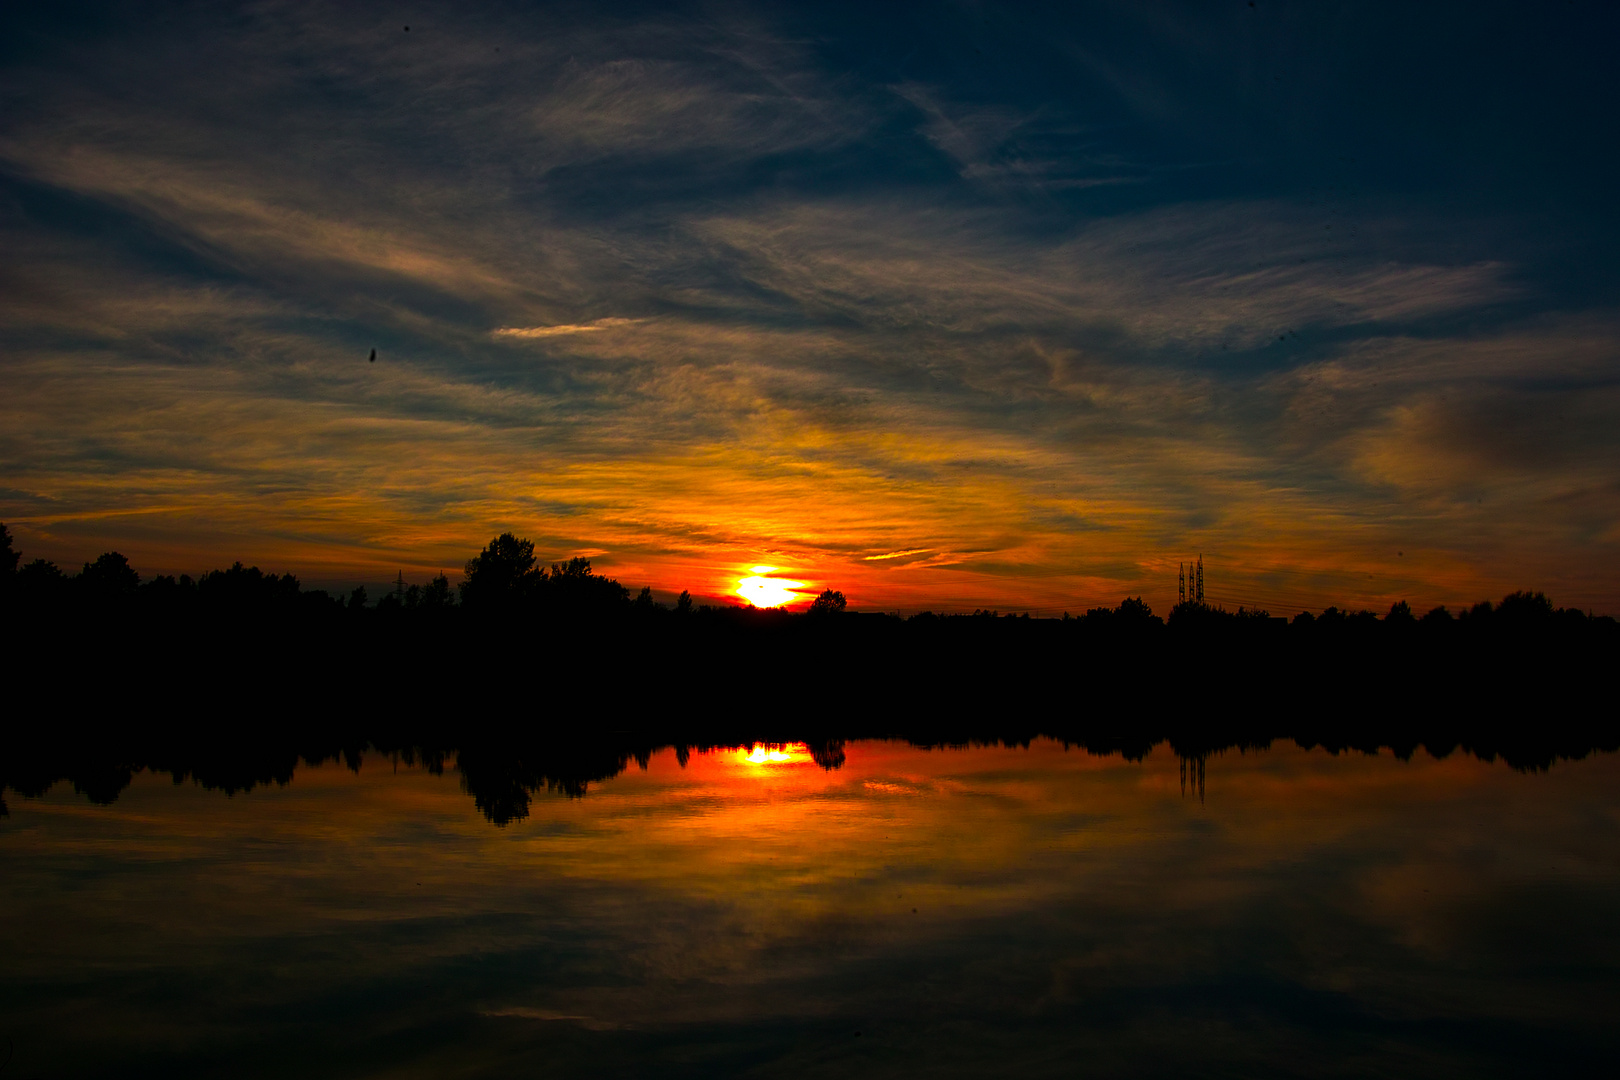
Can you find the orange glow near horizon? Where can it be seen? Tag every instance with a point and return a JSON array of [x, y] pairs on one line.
[[767, 592]]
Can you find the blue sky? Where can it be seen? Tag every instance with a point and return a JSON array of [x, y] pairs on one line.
[[945, 306]]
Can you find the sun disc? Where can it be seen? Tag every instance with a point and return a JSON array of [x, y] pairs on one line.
[[767, 592]]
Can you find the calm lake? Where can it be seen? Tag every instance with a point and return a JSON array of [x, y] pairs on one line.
[[1009, 911]]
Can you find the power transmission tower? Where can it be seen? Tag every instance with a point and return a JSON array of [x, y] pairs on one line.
[[1200, 596]]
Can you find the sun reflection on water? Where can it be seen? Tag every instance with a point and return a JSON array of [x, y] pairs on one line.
[[772, 754]]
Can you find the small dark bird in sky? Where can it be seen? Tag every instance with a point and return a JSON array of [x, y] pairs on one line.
[[373, 356]]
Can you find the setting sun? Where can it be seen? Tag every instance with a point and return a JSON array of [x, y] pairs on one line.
[[767, 592]]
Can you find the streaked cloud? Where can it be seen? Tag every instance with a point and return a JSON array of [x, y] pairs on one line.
[[564, 328]]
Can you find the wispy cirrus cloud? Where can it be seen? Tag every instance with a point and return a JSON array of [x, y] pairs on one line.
[[997, 145]]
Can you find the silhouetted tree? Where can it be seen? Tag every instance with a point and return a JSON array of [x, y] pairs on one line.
[[110, 578], [1399, 612], [1521, 608], [244, 589], [828, 753], [577, 567], [1572, 618], [8, 556], [357, 598], [40, 583], [574, 589], [502, 576], [683, 603], [830, 602], [1190, 615], [1133, 610], [437, 595]]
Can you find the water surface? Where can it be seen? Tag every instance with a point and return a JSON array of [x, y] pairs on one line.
[[982, 911]]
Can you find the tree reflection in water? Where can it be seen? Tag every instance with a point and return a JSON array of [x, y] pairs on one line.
[[503, 772]]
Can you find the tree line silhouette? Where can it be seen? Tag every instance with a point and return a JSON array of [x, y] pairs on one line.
[[517, 642], [506, 578]]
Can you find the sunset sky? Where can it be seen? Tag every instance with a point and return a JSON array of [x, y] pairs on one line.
[[946, 307]]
